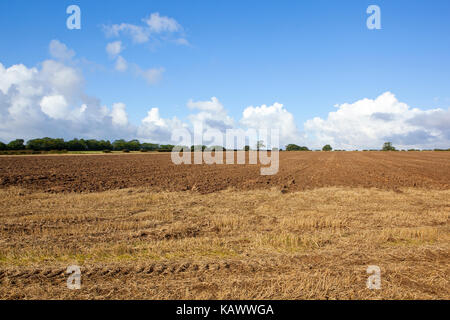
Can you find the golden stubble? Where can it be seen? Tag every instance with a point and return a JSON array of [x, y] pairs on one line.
[[232, 244]]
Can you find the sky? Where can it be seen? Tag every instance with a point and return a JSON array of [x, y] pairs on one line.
[[312, 69]]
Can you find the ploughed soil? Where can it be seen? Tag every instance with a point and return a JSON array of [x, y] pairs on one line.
[[297, 171]]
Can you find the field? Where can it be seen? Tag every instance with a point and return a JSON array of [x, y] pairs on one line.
[[141, 227]]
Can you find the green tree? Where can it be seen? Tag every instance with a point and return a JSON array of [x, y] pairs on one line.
[[149, 146], [327, 147], [294, 147], [46, 144], [105, 145], [133, 145], [93, 145], [119, 145], [387, 146], [16, 145], [76, 145], [166, 148], [2, 146]]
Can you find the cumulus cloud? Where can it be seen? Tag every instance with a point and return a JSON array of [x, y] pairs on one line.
[[15, 75], [368, 123], [210, 106], [436, 119], [119, 115], [59, 51], [55, 107], [156, 129], [272, 117], [59, 78], [49, 100], [23, 89], [211, 115]]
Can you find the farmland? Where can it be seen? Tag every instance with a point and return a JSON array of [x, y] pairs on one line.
[[297, 171], [141, 227]]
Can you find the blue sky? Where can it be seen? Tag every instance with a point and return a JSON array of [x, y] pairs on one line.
[[306, 55]]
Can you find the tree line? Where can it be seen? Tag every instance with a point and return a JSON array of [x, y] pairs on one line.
[[50, 144]]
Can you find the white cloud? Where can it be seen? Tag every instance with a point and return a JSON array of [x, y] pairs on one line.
[[157, 28], [156, 129], [60, 51], [121, 64], [160, 24], [24, 88], [55, 107], [153, 26], [50, 100], [119, 115], [272, 117], [369, 123], [137, 33], [17, 74], [212, 114], [212, 106], [114, 48], [61, 79]]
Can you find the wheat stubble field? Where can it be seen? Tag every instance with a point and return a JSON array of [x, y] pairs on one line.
[[142, 228]]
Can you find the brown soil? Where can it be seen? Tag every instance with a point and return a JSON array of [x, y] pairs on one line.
[[298, 171]]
